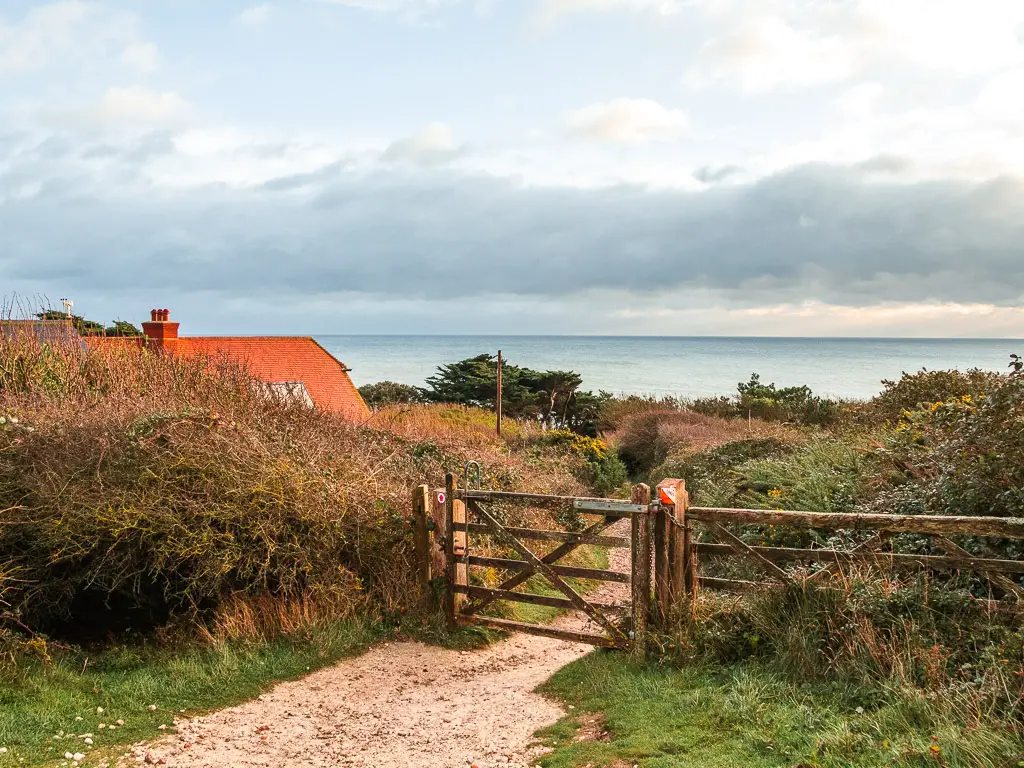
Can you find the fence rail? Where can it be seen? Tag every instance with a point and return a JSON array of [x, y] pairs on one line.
[[679, 539]]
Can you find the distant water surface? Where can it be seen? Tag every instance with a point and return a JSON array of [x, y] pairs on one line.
[[684, 366]]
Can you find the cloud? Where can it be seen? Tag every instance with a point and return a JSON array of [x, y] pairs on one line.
[[142, 56], [713, 175], [255, 16], [759, 45], [767, 53], [626, 120], [70, 33], [818, 232], [135, 104], [432, 145]]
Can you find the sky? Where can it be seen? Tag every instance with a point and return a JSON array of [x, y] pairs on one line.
[[638, 167]]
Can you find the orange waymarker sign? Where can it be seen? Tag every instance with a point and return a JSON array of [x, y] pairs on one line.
[[667, 495]]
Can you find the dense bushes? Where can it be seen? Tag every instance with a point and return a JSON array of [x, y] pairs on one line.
[[141, 491], [389, 393], [906, 634], [927, 387]]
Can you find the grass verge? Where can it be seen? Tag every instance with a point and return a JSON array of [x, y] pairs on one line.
[[625, 714], [41, 704]]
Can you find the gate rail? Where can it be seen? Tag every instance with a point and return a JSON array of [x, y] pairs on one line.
[[664, 528]]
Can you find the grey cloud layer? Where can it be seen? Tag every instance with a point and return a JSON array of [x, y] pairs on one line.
[[813, 232]]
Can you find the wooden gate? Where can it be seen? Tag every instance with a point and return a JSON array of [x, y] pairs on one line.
[[457, 516]]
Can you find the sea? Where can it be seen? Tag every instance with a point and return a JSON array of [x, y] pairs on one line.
[[681, 366]]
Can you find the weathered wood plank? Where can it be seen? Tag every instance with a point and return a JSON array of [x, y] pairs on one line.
[[1006, 584], [742, 549], [572, 538], [539, 499], [727, 585], [526, 597], [562, 570], [1006, 527], [865, 548], [895, 559], [641, 542], [543, 630], [545, 570], [449, 550], [553, 556], [420, 502]]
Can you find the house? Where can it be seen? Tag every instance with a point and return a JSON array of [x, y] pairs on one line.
[[295, 367]]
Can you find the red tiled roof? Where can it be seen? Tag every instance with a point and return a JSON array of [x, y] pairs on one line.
[[279, 359]]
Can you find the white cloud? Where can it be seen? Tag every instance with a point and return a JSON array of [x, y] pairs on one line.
[[758, 45], [626, 120], [861, 100], [434, 144], [65, 33], [134, 105], [766, 53], [255, 16], [142, 56], [1002, 98]]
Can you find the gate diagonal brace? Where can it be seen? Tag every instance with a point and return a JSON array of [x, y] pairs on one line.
[[551, 557], [550, 575]]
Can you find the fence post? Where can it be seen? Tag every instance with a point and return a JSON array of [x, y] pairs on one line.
[[662, 561], [420, 501], [685, 558], [449, 550], [641, 544]]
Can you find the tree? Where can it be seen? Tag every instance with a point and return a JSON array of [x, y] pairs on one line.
[[389, 393], [551, 397], [86, 327]]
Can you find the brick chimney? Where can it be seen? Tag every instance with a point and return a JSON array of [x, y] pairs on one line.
[[161, 333]]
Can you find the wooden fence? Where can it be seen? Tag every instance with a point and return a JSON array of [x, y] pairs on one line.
[[671, 541]]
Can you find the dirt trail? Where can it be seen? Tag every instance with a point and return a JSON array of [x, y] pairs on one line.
[[397, 706]]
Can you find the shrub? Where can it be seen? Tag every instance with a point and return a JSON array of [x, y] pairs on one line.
[[389, 393], [650, 438], [603, 472], [926, 387], [901, 634], [139, 491]]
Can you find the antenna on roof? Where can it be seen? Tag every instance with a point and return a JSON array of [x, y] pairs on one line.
[[68, 304]]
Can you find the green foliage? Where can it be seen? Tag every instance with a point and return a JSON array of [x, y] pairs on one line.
[[925, 387], [605, 474], [90, 327], [552, 398], [716, 477], [962, 454], [756, 399], [697, 716], [390, 393]]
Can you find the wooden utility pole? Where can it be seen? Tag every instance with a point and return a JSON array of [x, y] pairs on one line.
[[497, 402]]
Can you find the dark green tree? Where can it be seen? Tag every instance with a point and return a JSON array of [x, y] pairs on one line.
[[389, 393]]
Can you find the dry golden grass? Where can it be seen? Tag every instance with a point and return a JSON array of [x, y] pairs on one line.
[[141, 490], [647, 439]]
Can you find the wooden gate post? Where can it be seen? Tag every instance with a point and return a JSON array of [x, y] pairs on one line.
[[449, 550], [456, 567], [641, 544], [420, 504]]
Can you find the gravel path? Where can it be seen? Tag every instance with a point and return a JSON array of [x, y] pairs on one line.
[[397, 706]]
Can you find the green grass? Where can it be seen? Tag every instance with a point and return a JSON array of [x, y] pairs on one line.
[[660, 716], [40, 703]]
